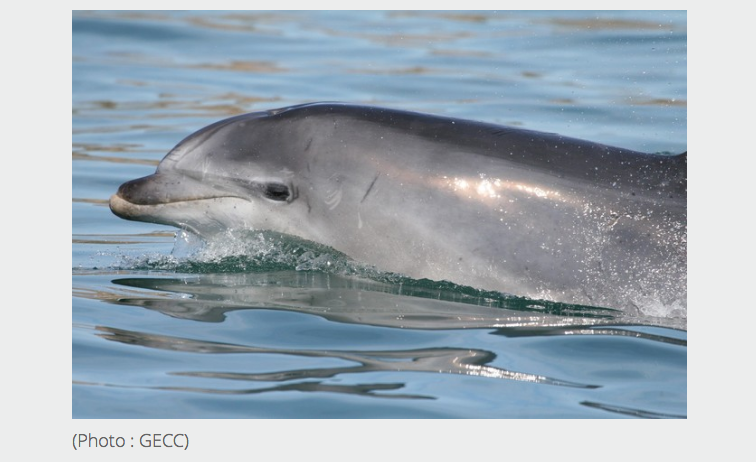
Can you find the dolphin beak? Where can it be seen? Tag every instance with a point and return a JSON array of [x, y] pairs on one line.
[[141, 199], [155, 189]]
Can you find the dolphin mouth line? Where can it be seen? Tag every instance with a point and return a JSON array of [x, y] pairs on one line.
[[154, 212], [165, 189], [169, 201], [120, 202]]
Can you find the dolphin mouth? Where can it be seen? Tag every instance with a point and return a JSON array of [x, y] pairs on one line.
[[163, 199], [155, 213], [182, 214], [124, 208]]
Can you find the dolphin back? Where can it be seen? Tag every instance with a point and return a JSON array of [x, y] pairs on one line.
[[551, 153]]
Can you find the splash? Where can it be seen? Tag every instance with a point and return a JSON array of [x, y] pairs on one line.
[[245, 252]]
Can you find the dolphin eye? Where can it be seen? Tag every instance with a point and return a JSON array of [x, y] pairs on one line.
[[277, 192]]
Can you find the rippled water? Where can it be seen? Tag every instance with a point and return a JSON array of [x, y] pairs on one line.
[[267, 326]]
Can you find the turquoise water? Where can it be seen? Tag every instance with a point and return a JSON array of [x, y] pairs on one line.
[[268, 327]]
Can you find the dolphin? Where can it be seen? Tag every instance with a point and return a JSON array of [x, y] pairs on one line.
[[493, 207]]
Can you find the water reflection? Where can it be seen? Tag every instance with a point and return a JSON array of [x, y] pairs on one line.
[[410, 304], [626, 411], [209, 297], [433, 360]]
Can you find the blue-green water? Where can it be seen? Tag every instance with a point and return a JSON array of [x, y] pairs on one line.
[[272, 328]]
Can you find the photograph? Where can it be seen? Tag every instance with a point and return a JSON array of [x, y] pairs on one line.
[[378, 214]]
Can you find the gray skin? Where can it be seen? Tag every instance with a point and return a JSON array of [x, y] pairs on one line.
[[492, 207]]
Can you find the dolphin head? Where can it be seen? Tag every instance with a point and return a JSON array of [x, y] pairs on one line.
[[238, 172]]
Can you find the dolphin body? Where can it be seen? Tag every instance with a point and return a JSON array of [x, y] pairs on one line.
[[488, 206]]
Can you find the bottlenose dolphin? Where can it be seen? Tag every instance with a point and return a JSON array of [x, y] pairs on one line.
[[493, 207]]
